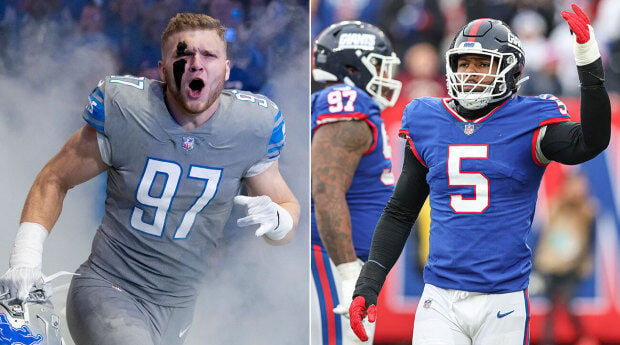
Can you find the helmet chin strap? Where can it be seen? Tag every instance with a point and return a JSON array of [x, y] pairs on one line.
[[521, 81], [348, 81]]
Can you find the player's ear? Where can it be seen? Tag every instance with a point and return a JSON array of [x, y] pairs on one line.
[[227, 69], [161, 69]]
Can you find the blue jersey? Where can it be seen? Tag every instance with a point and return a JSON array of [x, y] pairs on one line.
[[484, 177], [373, 182]]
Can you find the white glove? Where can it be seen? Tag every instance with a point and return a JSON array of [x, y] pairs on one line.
[[25, 262], [274, 221], [349, 272], [19, 281]]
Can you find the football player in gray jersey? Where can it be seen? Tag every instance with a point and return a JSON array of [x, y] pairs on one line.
[[176, 154]]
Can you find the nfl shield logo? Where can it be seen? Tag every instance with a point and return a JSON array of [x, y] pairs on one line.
[[427, 303], [469, 128], [188, 143]]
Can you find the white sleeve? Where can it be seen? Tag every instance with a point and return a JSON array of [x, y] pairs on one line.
[[539, 154], [259, 167], [104, 148]]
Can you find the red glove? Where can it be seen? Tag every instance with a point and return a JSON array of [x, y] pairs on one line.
[[578, 23], [357, 313], [584, 44]]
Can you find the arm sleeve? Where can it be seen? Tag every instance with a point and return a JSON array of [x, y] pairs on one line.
[[395, 224], [94, 115], [574, 143], [274, 147]]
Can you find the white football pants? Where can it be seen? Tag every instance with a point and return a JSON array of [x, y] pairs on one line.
[[455, 317]]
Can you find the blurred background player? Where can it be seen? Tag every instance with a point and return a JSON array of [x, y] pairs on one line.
[[176, 154], [481, 155], [351, 168]]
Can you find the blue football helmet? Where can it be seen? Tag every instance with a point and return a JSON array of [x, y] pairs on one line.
[[494, 39], [358, 54]]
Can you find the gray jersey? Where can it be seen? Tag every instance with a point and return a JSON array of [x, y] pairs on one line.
[[170, 191]]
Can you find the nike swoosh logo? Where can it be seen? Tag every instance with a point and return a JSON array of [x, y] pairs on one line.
[[182, 333], [500, 315]]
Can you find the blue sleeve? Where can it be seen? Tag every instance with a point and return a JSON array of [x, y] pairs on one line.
[[408, 114], [94, 113], [551, 109], [278, 135]]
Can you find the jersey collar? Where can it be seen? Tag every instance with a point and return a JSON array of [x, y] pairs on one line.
[[460, 118]]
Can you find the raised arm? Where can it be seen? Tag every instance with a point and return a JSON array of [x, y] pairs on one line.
[[571, 142]]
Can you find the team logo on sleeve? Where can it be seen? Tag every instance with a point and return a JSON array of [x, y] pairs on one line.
[[10, 335], [188, 143]]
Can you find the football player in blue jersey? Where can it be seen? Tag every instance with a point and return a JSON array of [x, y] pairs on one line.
[[176, 153], [351, 167], [480, 155]]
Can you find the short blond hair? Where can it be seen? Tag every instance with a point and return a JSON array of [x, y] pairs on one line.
[[192, 21]]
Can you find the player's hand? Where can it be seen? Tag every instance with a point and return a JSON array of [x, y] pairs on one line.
[[272, 219], [585, 47], [18, 281], [25, 262], [357, 312], [348, 272], [578, 23]]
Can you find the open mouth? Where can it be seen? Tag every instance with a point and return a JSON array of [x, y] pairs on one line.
[[195, 87]]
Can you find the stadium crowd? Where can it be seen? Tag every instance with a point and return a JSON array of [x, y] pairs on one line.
[[420, 29], [128, 31]]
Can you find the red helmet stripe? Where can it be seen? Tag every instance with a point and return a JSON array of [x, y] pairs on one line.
[[474, 30]]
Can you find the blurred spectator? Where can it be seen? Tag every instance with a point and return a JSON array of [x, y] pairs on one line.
[[454, 17], [408, 22], [123, 26], [75, 7], [41, 9], [565, 63], [497, 9], [283, 22], [148, 50], [127, 34], [421, 75], [607, 26], [91, 20], [563, 253], [41, 21], [88, 43], [541, 66], [547, 9], [326, 12], [247, 61]]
